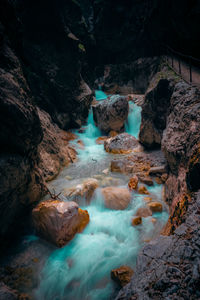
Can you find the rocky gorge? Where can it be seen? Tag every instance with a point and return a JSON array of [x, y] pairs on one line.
[[97, 193]]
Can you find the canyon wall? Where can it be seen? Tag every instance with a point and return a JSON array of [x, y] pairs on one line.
[[169, 266], [40, 85]]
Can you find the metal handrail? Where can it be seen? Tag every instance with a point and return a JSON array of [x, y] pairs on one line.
[[186, 58]]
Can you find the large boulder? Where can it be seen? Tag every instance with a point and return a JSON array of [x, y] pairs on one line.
[[111, 114], [122, 143], [116, 198], [58, 221]]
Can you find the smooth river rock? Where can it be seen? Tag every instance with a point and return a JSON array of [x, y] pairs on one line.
[[111, 114], [116, 198], [58, 221], [121, 143]]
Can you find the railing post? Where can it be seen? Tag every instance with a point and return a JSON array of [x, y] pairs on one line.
[[190, 69]]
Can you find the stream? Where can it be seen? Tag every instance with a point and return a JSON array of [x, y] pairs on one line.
[[81, 269]]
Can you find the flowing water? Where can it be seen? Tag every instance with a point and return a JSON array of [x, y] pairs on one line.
[[81, 269]]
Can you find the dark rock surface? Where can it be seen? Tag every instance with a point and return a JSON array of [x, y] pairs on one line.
[[40, 65], [168, 267], [156, 108], [111, 114], [131, 78]]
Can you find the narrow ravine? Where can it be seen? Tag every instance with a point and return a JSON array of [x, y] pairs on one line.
[[81, 269]]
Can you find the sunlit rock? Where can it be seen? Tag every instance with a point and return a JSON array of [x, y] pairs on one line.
[[122, 143], [83, 191], [122, 275], [143, 190], [155, 206], [133, 183], [116, 198], [59, 221], [111, 114], [136, 221]]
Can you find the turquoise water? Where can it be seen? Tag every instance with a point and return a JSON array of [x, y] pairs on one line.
[[132, 125], [81, 269], [100, 95]]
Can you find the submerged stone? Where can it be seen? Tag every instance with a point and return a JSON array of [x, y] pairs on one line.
[[136, 221], [155, 206], [116, 198], [144, 212]]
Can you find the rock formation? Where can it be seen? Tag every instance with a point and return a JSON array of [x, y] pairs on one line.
[[111, 115]]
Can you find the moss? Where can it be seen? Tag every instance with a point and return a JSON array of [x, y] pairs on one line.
[[81, 47]]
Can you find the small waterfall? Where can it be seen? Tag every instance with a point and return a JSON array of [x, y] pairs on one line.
[[100, 95], [133, 122]]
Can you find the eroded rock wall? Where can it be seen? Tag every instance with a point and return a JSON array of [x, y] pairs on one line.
[[40, 84], [169, 266]]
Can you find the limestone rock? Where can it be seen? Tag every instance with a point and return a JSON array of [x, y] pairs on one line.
[[122, 143], [116, 198], [111, 114], [58, 221], [122, 275]]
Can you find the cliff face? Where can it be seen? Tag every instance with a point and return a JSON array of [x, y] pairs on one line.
[[169, 265], [40, 68], [126, 30]]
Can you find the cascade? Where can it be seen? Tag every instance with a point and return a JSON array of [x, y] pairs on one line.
[[81, 269]]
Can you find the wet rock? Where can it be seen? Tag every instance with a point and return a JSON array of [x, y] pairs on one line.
[[155, 110], [143, 190], [147, 199], [122, 143], [54, 152], [164, 177], [58, 221], [100, 140], [146, 180], [116, 198], [111, 114], [157, 170], [113, 133], [133, 183], [155, 206], [83, 191], [6, 293], [122, 275], [144, 212], [136, 221]]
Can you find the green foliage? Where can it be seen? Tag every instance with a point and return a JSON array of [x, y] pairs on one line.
[[81, 47]]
